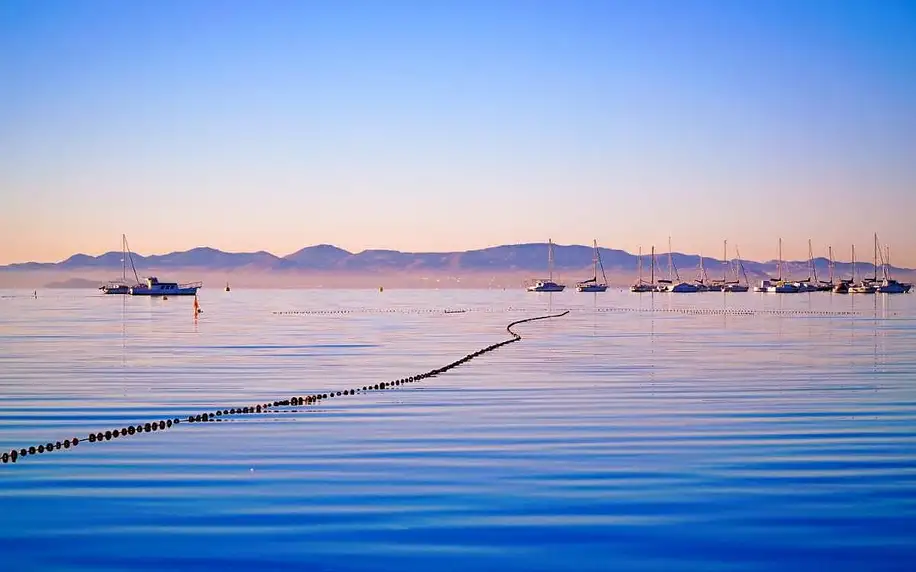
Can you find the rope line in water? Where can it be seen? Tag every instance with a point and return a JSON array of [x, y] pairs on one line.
[[14, 455], [731, 311], [687, 310]]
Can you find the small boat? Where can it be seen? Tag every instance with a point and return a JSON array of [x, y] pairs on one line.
[[674, 283], [891, 286], [865, 286], [641, 285], [683, 287], [592, 284], [227, 287], [779, 285], [154, 287], [122, 286], [888, 285], [703, 283], [783, 287], [547, 284], [842, 287], [811, 283], [735, 285]]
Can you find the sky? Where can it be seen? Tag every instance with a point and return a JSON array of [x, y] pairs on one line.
[[437, 126]]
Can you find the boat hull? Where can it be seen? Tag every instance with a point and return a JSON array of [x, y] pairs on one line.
[[734, 288], [143, 291], [894, 288], [555, 288], [592, 288], [683, 288], [640, 288], [115, 289]]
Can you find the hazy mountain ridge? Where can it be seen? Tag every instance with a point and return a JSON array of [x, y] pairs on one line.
[[531, 257]]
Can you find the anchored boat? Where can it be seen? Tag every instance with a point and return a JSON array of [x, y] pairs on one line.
[[122, 286], [154, 287], [641, 285], [592, 284], [547, 285], [671, 285], [888, 285]]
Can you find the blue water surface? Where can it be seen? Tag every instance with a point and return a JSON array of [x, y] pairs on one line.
[[639, 432]]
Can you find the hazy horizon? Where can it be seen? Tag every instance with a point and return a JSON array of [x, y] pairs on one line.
[[446, 127], [840, 255]]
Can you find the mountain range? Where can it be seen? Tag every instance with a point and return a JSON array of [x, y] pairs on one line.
[[530, 257]]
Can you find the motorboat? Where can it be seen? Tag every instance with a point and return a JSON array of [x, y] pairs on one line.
[[154, 287]]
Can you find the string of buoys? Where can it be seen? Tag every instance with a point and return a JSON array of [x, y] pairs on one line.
[[684, 310], [16, 454], [733, 311], [343, 311]]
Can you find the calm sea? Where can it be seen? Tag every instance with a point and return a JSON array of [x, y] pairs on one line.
[[635, 433]]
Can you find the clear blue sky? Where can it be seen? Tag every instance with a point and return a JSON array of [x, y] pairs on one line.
[[451, 125]]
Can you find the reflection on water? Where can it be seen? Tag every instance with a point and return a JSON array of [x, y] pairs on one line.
[[640, 439]]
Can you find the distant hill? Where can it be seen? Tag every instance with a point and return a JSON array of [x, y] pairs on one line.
[[531, 258]]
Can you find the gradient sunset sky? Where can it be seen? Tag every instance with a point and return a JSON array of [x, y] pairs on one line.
[[452, 125]]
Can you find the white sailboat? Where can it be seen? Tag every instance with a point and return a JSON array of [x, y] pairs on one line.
[[780, 285], [736, 285], [592, 284], [678, 287], [641, 285], [122, 286], [889, 285], [547, 285]]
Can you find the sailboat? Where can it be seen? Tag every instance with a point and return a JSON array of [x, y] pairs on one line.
[[829, 285], [778, 286], [592, 284], [703, 283], [865, 286], [122, 286], [889, 285], [641, 285], [679, 287], [810, 284], [547, 285], [736, 285], [842, 287]]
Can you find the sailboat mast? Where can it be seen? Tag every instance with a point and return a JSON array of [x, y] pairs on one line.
[[639, 266], [740, 265], [887, 262], [811, 261], [670, 260], [595, 260], [853, 263], [124, 258], [831, 264], [725, 261], [875, 277], [779, 262], [702, 270], [550, 259], [652, 265]]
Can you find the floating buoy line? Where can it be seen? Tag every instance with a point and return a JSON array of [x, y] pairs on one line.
[[616, 309], [16, 454]]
